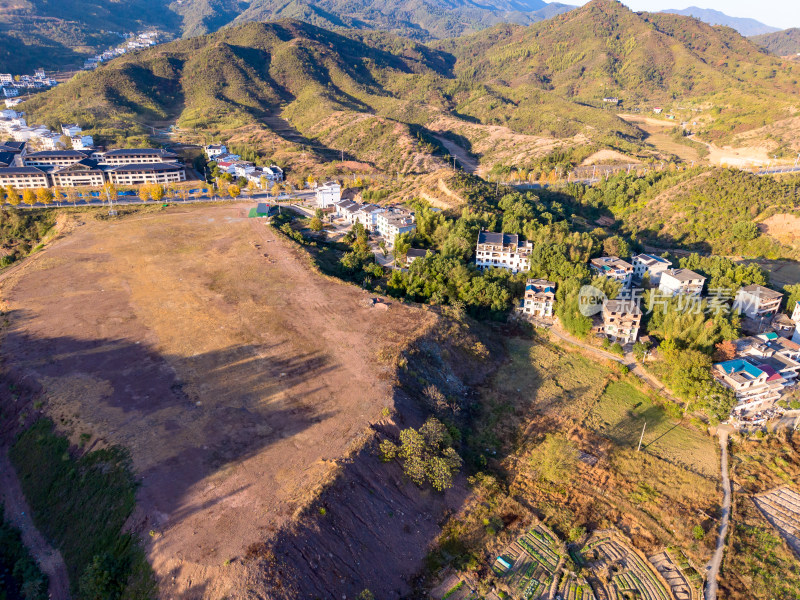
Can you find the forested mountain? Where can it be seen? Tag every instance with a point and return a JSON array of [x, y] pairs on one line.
[[714, 17], [342, 89], [781, 43], [54, 34]]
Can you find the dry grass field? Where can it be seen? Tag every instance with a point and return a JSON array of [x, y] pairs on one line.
[[205, 344]]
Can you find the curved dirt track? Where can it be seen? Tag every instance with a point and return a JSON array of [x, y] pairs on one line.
[[18, 514]]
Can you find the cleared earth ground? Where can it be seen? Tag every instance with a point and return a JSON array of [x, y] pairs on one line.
[[207, 346]]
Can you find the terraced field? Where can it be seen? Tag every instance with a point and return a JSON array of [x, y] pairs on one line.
[[629, 574], [527, 566], [781, 507]]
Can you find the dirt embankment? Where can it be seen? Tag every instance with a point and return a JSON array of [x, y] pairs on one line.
[[239, 380]]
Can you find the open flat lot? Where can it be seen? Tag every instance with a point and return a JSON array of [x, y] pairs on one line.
[[207, 346]]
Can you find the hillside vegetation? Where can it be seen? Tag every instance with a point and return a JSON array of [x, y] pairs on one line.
[[544, 80], [782, 43], [38, 33]]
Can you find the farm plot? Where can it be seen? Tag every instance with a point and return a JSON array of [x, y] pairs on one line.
[[574, 587], [679, 584], [526, 567], [781, 507], [627, 574]]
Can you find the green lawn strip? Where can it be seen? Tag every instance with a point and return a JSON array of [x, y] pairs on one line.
[[81, 504]]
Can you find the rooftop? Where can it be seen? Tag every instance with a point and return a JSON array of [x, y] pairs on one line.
[[625, 306], [651, 259], [761, 292], [499, 239], [140, 152], [684, 274], [145, 167]]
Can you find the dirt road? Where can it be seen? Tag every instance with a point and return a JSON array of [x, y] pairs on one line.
[[235, 375], [712, 570], [18, 514]]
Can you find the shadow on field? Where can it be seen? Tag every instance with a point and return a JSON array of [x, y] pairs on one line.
[[178, 433]]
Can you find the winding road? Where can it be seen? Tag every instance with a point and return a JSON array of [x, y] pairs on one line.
[[18, 514], [712, 570]]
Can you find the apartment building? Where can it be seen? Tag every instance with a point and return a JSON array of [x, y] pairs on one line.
[[681, 281], [53, 158], [621, 320], [21, 178], [539, 298], [614, 268], [135, 156], [503, 251], [138, 174], [84, 173], [757, 301], [650, 265]]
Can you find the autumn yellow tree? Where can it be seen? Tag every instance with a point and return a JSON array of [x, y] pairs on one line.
[[44, 195], [28, 197], [72, 195], [276, 190], [144, 193], [234, 191], [156, 192], [12, 197]]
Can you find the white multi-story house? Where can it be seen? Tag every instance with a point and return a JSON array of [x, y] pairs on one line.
[[621, 320], [328, 194], [539, 299], [82, 142], [613, 267], [367, 215], [71, 130], [214, 150], [6, 78], [651, 265], [681, 281], [393, 221], [757, 302], [755, 386], [273, 173], [504, 251], [243, 168], [796, 319]]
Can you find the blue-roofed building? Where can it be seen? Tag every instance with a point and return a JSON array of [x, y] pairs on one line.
[[539, 299], [754, 380]]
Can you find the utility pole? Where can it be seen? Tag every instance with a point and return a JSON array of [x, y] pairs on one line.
[[641, 437]]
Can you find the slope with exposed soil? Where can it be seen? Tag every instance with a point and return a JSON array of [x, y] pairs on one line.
[[237, 377]]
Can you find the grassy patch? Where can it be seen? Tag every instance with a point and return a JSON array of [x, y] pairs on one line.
[[623, 410], [81, 504]]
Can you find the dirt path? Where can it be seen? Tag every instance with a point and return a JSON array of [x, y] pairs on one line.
[[18, 514], [716, 560], [469, 164]]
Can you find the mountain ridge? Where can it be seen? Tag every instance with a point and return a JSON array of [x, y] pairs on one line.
[[744, 25], [781, 43]]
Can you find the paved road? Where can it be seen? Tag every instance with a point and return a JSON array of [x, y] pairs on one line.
[[712, 570], [18, 513]]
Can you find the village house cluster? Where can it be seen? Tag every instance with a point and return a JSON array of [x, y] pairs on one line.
[[387, 221], [133, 42], [235, 166], [766, 363], [12, 86], [20, 169], [14, 126]]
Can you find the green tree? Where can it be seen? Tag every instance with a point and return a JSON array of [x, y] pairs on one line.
[[315, 224], [402, 244]]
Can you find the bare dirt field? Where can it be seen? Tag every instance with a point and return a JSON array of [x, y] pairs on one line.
[[785, 228], [236, 375], [781, 272], [658, 135]]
